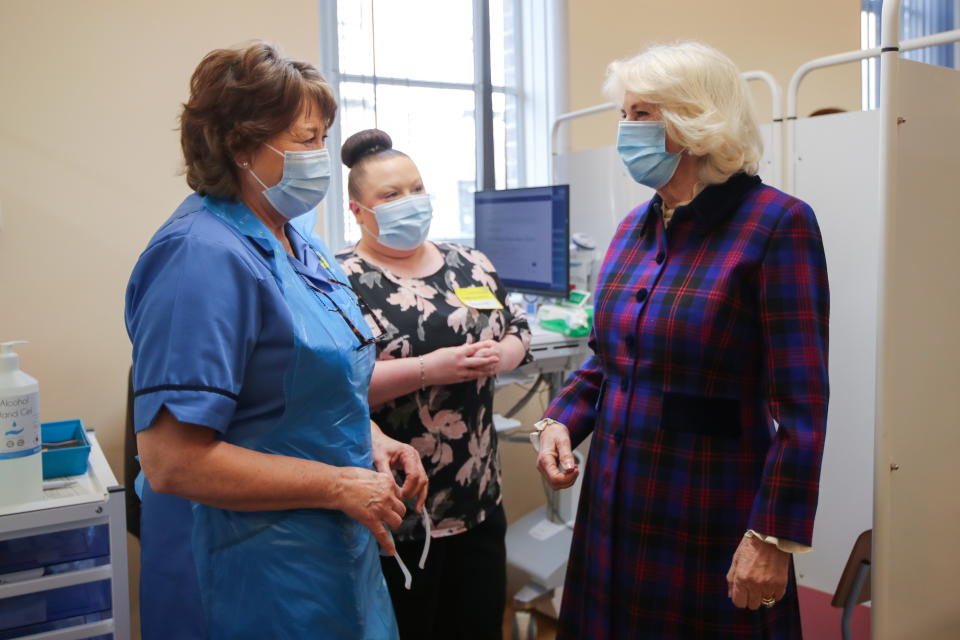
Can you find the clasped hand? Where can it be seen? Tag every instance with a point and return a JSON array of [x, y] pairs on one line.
[[470, 361]]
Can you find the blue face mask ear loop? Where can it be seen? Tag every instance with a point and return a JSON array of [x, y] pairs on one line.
[[255, 176], [371, 211]]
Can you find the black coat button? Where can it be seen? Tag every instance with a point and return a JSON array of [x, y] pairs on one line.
[[661, 257], [624, 384], [618, 436], [630, 341], [641, 294]]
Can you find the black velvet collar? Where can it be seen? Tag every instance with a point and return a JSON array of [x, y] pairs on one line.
[[713, 206]]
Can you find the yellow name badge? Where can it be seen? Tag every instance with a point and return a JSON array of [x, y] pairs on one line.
[[478, 297]]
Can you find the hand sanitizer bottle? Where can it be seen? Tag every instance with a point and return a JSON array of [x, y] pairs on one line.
[[21, 467]]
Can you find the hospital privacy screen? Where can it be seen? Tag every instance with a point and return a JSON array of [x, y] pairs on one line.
[[526, 234]]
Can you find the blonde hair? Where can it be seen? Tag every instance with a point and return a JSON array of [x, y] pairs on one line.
[[703, 100]]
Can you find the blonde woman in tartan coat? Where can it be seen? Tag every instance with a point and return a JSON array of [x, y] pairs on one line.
[[707, 392]]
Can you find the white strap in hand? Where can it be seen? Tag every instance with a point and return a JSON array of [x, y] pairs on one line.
[[426, 545], [407, 578]]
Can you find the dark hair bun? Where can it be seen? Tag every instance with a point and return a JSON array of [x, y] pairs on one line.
[[364, 143]]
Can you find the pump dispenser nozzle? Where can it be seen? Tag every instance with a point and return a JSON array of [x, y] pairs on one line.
[[9, 359]]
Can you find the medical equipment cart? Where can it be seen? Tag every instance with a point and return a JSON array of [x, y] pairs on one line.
[[63, 560], [538, 544]]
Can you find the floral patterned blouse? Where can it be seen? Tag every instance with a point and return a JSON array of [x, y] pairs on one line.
[[450, 425]]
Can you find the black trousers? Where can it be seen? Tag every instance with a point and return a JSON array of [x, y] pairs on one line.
[[461, 593]]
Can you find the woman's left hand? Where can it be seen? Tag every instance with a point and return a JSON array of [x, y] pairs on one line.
[[758, 571], [390, 454], [490, 348], [509, 353]]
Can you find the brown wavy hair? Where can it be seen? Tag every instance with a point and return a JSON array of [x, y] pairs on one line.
[[239, 98]]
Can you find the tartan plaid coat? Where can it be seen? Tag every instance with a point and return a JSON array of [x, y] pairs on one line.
[[705, 334]]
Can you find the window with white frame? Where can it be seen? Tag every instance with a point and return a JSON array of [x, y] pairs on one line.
[[918, 18], [440, 77]]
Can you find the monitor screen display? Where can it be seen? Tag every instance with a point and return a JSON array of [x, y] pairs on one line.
[[526, 234]]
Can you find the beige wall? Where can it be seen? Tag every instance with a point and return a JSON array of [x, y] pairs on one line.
[[769, 35], [89, 168]]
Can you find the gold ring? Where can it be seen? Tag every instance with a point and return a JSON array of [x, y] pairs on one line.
[[768, 602]]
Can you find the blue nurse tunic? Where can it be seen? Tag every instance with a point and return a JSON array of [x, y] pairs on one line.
[[212, 337]]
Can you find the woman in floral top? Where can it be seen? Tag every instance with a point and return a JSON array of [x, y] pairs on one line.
[[432, 387]]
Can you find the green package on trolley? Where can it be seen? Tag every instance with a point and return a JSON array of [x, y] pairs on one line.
[[572, 317]]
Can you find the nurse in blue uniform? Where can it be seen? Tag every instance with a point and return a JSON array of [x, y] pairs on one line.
[[268, 489]]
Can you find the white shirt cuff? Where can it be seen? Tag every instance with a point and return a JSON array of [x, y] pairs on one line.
[[787, 546]]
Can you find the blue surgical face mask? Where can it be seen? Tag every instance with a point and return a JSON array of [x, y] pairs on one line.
[[306, 176], [643, 148], [404, 223]]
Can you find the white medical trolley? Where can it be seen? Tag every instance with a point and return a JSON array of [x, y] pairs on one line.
[[63, 561]]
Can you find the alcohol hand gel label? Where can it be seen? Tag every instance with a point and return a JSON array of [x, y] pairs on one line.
[[19, 425]]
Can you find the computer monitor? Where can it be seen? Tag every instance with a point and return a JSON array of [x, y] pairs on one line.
[[526, 234]]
